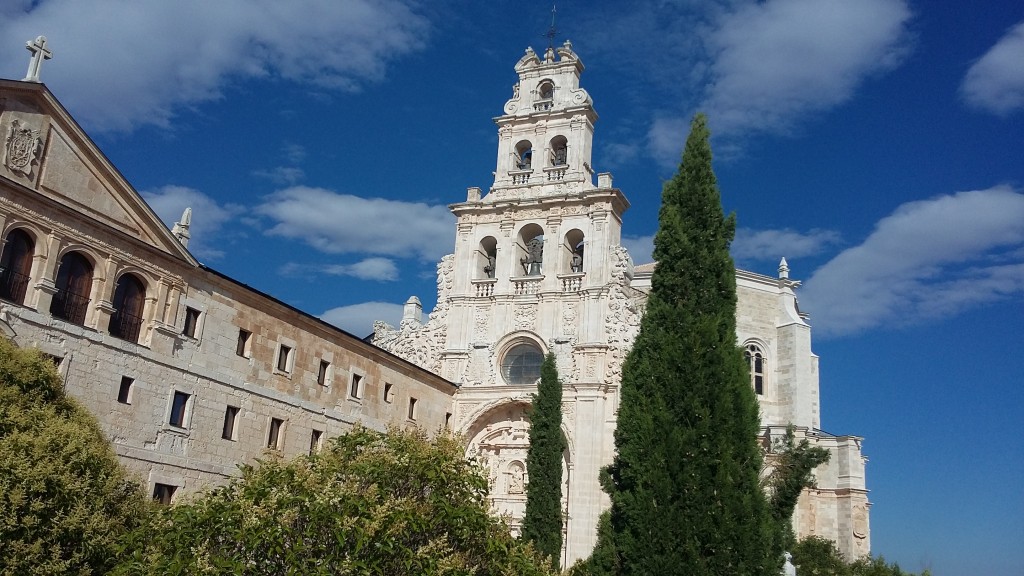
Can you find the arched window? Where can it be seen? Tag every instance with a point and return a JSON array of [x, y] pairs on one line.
[[559, 151], [74, 281], [524, 155], [16, 265], [545, 95], [129, 300], [531, 250], [487, 254], [574, 250], [755, 358], [521, 364]]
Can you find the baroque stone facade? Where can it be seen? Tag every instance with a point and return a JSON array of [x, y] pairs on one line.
[[538, 267], [189, 372]]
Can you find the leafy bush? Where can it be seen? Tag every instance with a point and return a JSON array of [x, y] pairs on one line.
[[369, 503], [64, 498]]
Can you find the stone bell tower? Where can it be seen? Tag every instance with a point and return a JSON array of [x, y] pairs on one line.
[[537, 268]]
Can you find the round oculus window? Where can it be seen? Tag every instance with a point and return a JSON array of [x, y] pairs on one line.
[[521, 364]]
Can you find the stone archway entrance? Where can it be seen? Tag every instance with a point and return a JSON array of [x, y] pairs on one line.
[[500, 440]]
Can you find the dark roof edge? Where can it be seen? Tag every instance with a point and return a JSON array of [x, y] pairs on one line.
[[325, 324]]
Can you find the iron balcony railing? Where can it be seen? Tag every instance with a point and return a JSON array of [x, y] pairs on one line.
[[13, 286], [125, 326], [70, 306]]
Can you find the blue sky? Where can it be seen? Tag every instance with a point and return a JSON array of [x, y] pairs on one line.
[[876, 144]]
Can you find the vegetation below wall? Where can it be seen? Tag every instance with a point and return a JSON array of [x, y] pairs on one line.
[[65, 501]]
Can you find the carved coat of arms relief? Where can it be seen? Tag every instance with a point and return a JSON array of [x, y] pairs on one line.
[[21, 148]]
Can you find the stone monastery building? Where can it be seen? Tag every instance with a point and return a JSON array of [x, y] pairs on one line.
[[192, 373]]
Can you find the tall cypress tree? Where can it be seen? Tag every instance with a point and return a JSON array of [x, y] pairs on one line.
[[685, 489], [542, 524]]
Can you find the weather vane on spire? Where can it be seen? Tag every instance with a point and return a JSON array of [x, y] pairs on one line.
[[552, 31]]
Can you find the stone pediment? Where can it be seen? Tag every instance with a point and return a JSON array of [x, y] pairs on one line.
[[46, 151]]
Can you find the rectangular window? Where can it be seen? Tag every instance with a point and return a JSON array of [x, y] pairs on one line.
[[178, 409], [447, 419], [314, 441], [321, 376], [412, 408], [274, 435], [191, 322], [163, 493], [230, 416], [283, 355], [356, 390], [124, 393], [244, 346], [389, 395]]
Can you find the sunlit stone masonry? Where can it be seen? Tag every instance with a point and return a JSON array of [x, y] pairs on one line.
[[538, 267]]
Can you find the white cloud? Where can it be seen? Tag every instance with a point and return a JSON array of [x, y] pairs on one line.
[[641, 248], [380, 269], [122, 63], [207, 216], [665, 140], [358, 319], [282, 174], [760, 245], [996, 81], [927, 259], [773, 62], [340, 223]]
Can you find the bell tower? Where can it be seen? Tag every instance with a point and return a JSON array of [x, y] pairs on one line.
[[546, 133]]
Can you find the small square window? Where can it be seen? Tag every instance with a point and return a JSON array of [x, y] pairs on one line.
[[178, 406], [124, 393], [321, 376], [230, 418], [274, 434], [356, 390], [283, 357], [412, 408], [389, 394], [244, 346], [315, 441], [163, 493], [191, 322]]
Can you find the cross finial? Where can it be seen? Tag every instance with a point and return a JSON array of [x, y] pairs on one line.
[[552, 31], [39, 53]]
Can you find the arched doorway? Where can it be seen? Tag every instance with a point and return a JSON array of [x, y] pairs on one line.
[[16, 265], [129, 300], [74, 281]]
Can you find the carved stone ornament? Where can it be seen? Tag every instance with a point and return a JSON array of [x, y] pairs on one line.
[[21, 148]]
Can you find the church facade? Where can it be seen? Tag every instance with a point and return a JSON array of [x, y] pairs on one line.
[[539, 267], [192, 373]]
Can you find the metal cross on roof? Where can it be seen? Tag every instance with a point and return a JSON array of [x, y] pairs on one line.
[[39, 53]]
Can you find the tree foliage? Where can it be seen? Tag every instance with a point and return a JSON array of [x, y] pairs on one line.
[[64, 498], [369, 503], [542, 524], [686, 495], [793, 465], [816, 556]]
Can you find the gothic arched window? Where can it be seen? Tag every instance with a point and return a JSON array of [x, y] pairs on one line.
[[74, 281], [755, 358], [16, 265], [129, 300]]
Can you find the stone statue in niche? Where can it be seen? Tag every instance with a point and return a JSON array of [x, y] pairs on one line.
[[516, 478], [489, 267], [534, 257]]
